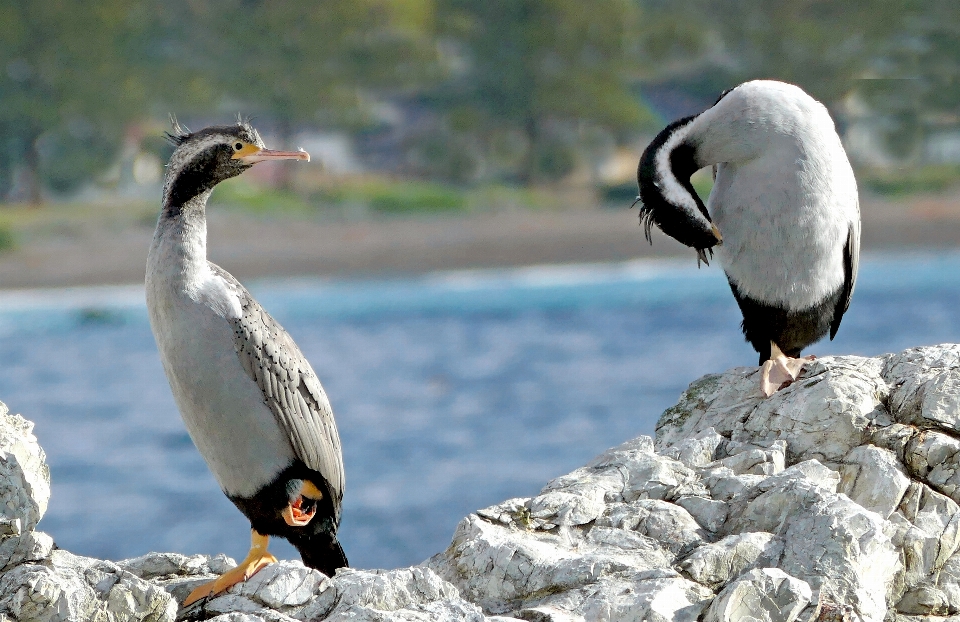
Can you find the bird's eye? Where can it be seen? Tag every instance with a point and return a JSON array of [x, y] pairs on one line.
[[238, 146]]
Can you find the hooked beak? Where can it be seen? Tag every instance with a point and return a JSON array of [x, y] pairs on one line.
[[716, 232], [252, 155]]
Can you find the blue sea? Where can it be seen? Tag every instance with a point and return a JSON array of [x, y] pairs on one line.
[[452, 391]]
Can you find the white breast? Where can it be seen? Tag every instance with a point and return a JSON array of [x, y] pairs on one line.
[[222, 408], [785, 195]]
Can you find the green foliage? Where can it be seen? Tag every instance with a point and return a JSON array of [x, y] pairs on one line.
[[66, 66], [446, 156], [544, 68], [399, 197], [418, 198], [307, 61], [514, 90], [820, 45], [7, 240], [618, 195], [913, 180], [70, 156], [262, 199]]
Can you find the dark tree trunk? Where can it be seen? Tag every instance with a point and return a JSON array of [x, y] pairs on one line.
[[33, 194], [528, 174]]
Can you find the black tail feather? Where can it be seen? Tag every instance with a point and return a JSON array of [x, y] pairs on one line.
[[321, 551]]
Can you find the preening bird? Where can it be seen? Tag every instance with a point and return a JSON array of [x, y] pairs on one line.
[[783, 214], [250, 400]]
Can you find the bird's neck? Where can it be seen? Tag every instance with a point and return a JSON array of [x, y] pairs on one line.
[[180, 242]]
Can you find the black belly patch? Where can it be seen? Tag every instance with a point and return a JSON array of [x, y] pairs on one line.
[[792, 331], [317, 541]]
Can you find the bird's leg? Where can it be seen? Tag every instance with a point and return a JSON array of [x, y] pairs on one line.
[[294, 514], [779, 370], [257, 559]]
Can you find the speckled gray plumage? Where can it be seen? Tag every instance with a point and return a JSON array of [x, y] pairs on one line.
[[290, 388]]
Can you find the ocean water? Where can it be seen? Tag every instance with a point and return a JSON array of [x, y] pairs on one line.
[[452, 392]]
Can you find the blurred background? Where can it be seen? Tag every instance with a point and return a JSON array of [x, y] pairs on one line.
[[459, 260]]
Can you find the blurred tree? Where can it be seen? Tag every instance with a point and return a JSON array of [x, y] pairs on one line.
[[899, 57], [544, 69], [67, 88], [820, 45], [914, 83], [314, 63]]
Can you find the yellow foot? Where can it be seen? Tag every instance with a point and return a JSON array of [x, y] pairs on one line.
[[780, 370], [257, 559]]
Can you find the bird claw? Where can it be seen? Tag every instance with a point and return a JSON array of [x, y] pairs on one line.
[[780, 372], [257, 559]]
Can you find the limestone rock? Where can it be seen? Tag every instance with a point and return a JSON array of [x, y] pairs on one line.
[[822, 415], [715, 565], [874, 478], [765, 595], [288, 591], [68, 588], [24, 475], [835, 499]]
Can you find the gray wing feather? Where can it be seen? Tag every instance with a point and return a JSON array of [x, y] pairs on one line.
[[851, 263], [290, 388]]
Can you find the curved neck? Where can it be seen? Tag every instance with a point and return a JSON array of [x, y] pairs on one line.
[[180, 241], [669, 199]]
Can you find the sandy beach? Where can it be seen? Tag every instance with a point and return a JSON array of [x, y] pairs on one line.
[[69, 249]]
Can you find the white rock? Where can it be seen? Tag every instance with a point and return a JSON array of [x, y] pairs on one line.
[[755, 459], [70, 588], [634, 599], [163, 565], [873, 478], [724, 485], [392, 590], [563, 508], [258, 615], [811, 471], [670, 525], [764, 595], [503, 568], [709, 513], [840, 549], [925, 386], [716, 564], [948, 581], [698, 451], [824, 414], [24, 475], [648, 475], [827, 505], [936, 459], [924, 599], [32, 546], [925, 530], [282, 586]]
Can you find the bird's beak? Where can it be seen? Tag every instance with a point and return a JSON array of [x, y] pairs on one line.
[[716, 232], [251, 155]]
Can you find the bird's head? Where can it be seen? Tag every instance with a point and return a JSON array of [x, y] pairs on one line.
[[668, 198], [204, 158]]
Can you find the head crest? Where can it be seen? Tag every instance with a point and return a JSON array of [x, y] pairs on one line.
[[178, 133]]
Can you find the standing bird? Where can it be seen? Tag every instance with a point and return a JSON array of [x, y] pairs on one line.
[[250, 400], [785, 200]]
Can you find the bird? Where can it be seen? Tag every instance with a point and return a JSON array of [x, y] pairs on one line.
[[783, 215], [248, 397]]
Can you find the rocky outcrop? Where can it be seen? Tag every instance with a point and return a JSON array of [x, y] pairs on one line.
[[834, 499]]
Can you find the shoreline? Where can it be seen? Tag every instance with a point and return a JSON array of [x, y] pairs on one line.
[[255, 247]]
